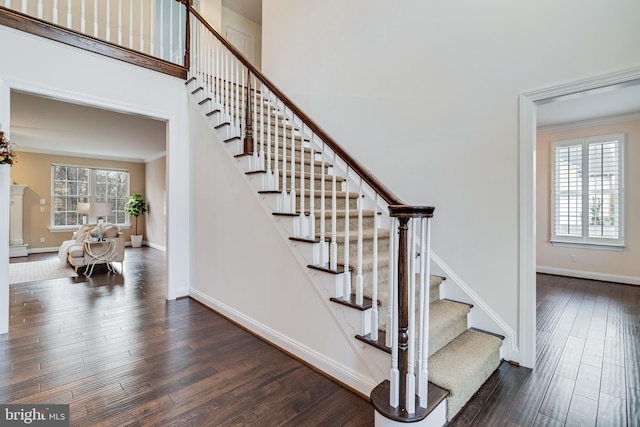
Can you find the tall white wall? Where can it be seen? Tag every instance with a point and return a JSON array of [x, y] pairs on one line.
[[37, 65], [243, 268], [425, 95]]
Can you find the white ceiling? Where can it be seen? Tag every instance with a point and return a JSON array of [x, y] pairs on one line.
[[604, 102], [54, 127], [251, 9]]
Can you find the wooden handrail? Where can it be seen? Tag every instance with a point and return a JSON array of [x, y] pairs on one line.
[[358, 168]]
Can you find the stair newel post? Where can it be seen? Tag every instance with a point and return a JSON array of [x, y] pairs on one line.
[[248, 133], [403, 309], [187, 33]]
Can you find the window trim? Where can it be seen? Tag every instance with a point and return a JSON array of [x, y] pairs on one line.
[[91, 197], [584, 241]]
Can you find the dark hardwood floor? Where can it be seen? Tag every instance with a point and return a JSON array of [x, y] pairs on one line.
[[114, 349], [588, 362]]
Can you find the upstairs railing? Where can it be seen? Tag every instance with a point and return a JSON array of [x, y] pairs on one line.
[[302, 164], [315, 179], [153, 28]]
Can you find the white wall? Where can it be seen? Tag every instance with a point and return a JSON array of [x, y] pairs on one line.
[[242, 267], [70, 74], [434, 88]]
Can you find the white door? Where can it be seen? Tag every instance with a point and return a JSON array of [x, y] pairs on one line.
[[243, 42]]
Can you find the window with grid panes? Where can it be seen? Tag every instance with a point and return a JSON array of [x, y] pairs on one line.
[[74, 184], [587, 191]]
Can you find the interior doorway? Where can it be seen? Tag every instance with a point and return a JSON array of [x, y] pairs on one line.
[[529, 103]]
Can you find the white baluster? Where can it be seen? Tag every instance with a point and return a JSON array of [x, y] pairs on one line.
[[347, 272], [55, 11], [374, 279], [292, 195], [141, 29], [359, 278], [107, 30], [394, 374], [285, 205], [304, 232], [411, 350], [83, 20], [333, 257], [392, 279], [261, 155], [170, 23], [425, 291], [24, 6], [69, 16], [276, 172], [181, 48], [7, 4], [268, 159], [120, 22], [311, 226], [131, 24], [152, 36], [40, 9], [323, 242], [95, 18], [161, 32]]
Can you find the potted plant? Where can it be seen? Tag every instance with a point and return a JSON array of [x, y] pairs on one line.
[[135, 207]]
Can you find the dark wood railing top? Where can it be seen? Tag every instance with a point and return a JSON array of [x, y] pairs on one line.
[[366, 175]]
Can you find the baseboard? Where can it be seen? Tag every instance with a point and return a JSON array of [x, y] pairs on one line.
[[154, 246], [603, 277], [329, 367], [43, 250]]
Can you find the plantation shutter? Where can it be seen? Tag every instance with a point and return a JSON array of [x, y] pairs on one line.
[[587, 190]]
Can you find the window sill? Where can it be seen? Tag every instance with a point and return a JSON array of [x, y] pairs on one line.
[[593, 246]]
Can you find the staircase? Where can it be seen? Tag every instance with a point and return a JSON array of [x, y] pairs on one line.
[[318, 200]]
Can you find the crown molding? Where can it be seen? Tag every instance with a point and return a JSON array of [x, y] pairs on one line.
[[600, 121]]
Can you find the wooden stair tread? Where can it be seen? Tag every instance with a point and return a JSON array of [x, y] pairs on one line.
[[380, 401], [351, 302]]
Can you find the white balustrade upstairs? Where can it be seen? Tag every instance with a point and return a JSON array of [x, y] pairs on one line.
[[153, 27]]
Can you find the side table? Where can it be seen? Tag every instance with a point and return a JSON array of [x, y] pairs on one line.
[[100, 251]]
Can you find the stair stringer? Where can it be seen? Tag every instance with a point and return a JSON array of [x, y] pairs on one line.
[[481, 316], [347, 320]]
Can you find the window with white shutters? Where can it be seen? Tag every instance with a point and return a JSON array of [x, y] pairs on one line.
[[588, 189]]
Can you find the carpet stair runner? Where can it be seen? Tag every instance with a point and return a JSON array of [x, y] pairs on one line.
[[460, 359]]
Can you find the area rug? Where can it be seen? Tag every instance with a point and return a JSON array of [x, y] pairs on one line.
[[21, 272]]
